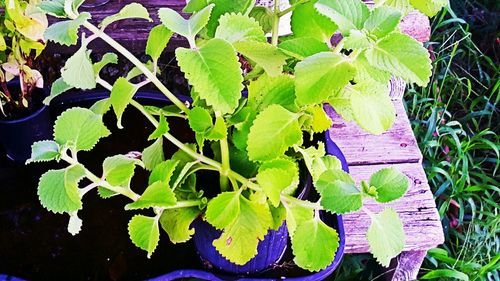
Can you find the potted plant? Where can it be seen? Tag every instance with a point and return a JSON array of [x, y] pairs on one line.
[[257, 143], [23, 117]]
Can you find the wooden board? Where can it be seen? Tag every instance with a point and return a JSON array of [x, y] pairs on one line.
[[397, 145], [416, 209]]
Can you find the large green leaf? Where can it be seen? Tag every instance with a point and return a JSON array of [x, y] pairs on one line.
[[320, 76], [223, 209], [403, 56], [78, 71], [177, 223], [429, 7], [158, 194], [153, 154], [347, 14], [266, 91], [338, 196], [79, 128], [144, 233], [276, 178], [187, 28], [157, 41], [307, 22], [303, 47], [44, 151], [390, 184], [222, 7], [238, 243], [297, 215], [118, 170], [58, 189], [121, 95], [66, 32], [314, 245], [386, 236], [267, 56], [237, 27], [129, 11], [382, 21], [274, 130], [214, 72]]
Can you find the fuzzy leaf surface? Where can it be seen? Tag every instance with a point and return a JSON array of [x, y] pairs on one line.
[[157, 194], [303, 47], [121, 94], [44, 151], [177, 223], [267, 91], [347, 14], [223, 209], [306, 21], [187, 28], [144, 233], [338, 196], [153, 154], [118, 170], [157, 41], [386, 236], [78, 71], [66, 32], [132, 10], [390, 184], [382, 21], [267, 56], [237, 27]]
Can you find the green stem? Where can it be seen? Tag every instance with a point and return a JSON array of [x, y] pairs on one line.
[[184, 204], [224, 151], [276, 23], [138, 64]]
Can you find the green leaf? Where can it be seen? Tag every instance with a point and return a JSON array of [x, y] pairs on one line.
[[122, 93], [66, 32], [297, 215], [402, 5], [118, 170], [42, 151], [218, 131], [267, 56], [107, 58], [144, 233], [314, 245], [79, 128], [386, 236], [444, 274], [58, 87], [223, 210], [58, 189], [320, 76], [74, 224], [200, 120], [157, 41], [157, 194], [390, 184], [339, 197], [365, 72], [372, 107], [307, 22], [382, 21], [274, 130], [403, 56], [194, 6], [161, 129], [429, 7], [177, 223], [53, 7], [321, 121], [291, 168], [264, 16], [330, 176], [132, 10], [279, 215], [153, 154], [237, 27], [357, 40], [223, 7], [303, 47], [347, 14], [238, 243], [187, 28], [317, 162], [274, 180], [78, 71], [163, 171], [267, 91], [219, 84], [101, 106]]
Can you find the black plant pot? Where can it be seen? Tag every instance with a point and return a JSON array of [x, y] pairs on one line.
[[16, 136]]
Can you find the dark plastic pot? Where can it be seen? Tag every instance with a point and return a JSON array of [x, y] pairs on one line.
[[17, 136]]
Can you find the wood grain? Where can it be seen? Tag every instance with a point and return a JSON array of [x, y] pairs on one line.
[[417, 210], [397, 145], [408, 265]]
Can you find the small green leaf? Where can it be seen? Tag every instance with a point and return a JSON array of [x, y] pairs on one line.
[[347, 14], [157, 41], [100, 107], [390, 184], [53, 7], [58, 87], [382, 21], [238, 243], [132, 10], [237, 27], [74, 224], [163, 171], [320, 76], [273, 181], [144, 233], [200, 120], [223, 7], [107, 58], [122, 93], [157, 194], [386, 236], [78, 71], [357, 40], [153, 154], [194, 6], [264, 16], [297, 215], [307, 22], [218, 84], [66, 32], [340, 197], [429, 7], [223, 210], [177, 223], [279, 215], [218, 131], [403, 56], [274, 130], [42, 151], [79, 128], [320, 122], [187, 28], [118, 170], [161, 129], [330, 176], [402, 5], [314, 245], [267, 56], [317, 163], [291, 170], [303, 47], [58, 189], [445, 274], [267, 91]]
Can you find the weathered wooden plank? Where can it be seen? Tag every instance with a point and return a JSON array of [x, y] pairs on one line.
[[408, 265], [397, 145], [417, 210]]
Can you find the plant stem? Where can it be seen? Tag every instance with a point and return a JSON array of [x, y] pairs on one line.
[[292, 7], [151, 76], [224, 152], [276, 23]]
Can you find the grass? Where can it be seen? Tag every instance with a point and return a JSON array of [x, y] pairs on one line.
[[455, 121]]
